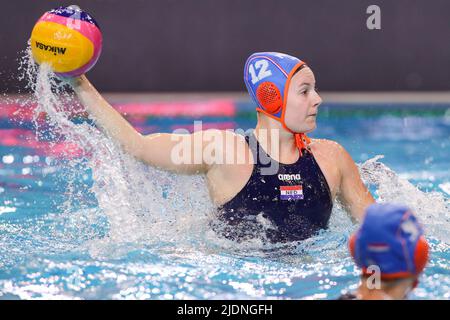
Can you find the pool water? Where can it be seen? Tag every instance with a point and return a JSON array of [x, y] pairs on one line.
[[81, 220]]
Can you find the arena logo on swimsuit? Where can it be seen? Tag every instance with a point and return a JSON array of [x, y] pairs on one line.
[[289, 177], [53, 49]]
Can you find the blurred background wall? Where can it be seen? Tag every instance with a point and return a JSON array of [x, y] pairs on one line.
[[201, 45]]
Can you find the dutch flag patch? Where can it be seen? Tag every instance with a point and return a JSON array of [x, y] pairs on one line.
[[291, 192]]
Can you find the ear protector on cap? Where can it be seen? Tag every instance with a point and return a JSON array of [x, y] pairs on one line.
[[269, 97], [421, 254]]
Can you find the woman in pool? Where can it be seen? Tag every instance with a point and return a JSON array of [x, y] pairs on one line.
[[277, 173]]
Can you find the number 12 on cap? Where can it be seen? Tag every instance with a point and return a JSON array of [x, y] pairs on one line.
[[264, 71]]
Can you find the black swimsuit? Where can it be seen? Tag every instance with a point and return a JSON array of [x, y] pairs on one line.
[[293, 204]]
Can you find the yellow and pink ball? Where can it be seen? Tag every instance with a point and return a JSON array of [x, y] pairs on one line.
[[68, 39]]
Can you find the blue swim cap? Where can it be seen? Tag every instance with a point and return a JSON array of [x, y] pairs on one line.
[[392, 239], [267, 76]]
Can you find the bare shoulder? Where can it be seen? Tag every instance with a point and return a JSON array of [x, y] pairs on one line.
[[327, 147], [235, 144], [334, 151], [226, 138], [224, 133], [226, 146]]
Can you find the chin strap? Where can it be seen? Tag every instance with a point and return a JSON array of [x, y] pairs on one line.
[[302, 142]]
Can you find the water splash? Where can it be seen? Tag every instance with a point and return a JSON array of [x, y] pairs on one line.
[[142, 204], [432, 208]]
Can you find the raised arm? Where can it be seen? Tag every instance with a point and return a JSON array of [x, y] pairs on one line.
[[353, 194], [161, 150]]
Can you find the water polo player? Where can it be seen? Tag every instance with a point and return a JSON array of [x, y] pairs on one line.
[[391, 251], [297, 198]]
